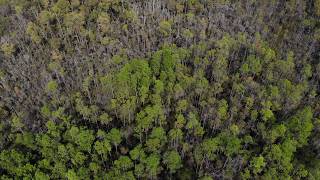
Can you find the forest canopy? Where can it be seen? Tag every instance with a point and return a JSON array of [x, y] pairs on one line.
[[159, 89]]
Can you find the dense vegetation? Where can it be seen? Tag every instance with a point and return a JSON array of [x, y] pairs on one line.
[[159, 89]]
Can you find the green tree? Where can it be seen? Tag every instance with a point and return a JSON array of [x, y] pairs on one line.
[[300, 125], [82, 137], [103, 22], [41, 176], [137, 153], [317, 7], [114, 136], [32, 31], [8, 49], [61, 7], [124, 163], [173, 161], [152, 163], [105, 119], [257, 164], [175, 136], [103, 148], [165, 27], [17, 124], [52, 86], [132, 84], [74, 21], [71, 175]]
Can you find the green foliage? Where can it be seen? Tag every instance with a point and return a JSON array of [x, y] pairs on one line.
[[123, 163], [41, 176], [103, 22], [137, 153], [146, 118], [194, 125], [257, 164], [165, 27], [222, 109], [45, 17], [32, 31], [300, 126], [152, 165], [114, 136], [71, 175], [187, 34], [8, 49], [103, 147], [26, 139], [52, 86], [173, 161], [61, 7], [16, 163], [82, 137], [252, 65], [17, 125], [317, 7], [277, 132], [113, 89], [74, 20], [105, 119], [133, 79], [4, 22]]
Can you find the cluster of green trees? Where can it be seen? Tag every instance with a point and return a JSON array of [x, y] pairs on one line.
[[174, 89]]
